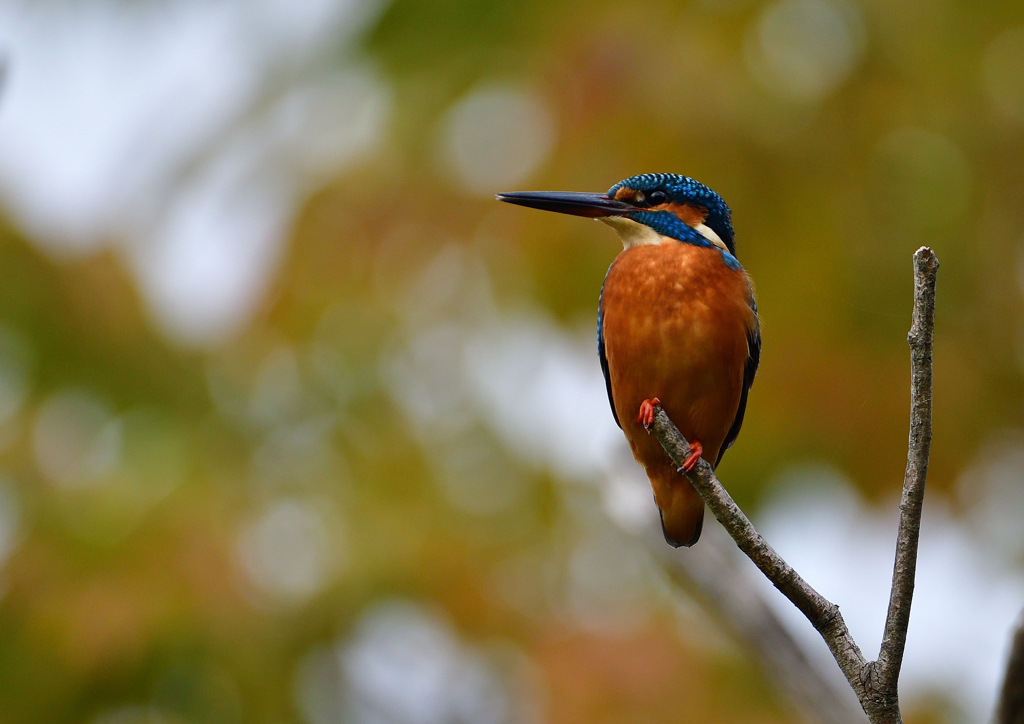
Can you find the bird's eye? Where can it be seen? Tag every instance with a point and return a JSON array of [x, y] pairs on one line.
[[657, 198]]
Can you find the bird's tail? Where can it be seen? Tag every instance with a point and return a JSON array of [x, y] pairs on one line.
[[681, 507]]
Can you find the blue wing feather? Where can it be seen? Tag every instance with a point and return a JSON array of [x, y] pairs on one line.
[[601, 354], [749, 372]]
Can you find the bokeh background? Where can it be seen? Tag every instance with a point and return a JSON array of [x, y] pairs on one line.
[[298, 425]]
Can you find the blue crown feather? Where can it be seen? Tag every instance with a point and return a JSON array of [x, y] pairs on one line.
[[682, 190]]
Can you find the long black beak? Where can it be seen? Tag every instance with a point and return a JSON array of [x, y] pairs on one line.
[[567, 202]]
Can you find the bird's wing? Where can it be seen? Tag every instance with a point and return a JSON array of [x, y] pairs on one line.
[[602, 355], [753, 359]]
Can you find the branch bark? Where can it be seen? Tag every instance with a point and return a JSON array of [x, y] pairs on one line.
[[874, 682], [886, 672], [713, 569]]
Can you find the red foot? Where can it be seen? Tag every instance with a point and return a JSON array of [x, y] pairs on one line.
[[646, 416], [696, 450]]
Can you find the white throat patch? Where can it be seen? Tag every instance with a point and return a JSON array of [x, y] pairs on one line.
[[632, 233], [636, 234]]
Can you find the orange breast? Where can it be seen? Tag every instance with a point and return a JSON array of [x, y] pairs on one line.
[[675, 323]]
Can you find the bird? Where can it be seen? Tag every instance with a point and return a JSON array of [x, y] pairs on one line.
[[677, 325]]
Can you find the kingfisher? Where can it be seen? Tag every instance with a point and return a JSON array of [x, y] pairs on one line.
[[677, 325]]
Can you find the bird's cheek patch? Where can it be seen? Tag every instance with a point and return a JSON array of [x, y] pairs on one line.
[[692, 216]]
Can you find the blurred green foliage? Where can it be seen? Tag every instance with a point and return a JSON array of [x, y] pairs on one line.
[[130, 591]]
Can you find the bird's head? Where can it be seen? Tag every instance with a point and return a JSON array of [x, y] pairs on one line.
[[646, 208]]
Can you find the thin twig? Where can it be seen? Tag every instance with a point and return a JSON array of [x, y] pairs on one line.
[[886, 672], [713, 569], [875, 683], [822, 613]]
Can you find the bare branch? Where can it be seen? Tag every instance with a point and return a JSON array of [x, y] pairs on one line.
[[886, 672], [714, 569], [822, 613], [875, 683]]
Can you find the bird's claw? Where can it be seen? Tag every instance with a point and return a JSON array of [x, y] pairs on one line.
[[646, 416], [696, 450]]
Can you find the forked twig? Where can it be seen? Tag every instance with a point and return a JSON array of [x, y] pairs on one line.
[[874, 682]]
